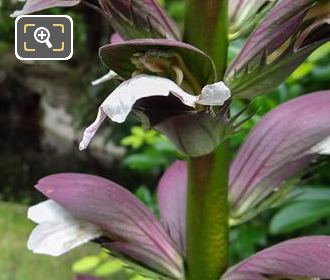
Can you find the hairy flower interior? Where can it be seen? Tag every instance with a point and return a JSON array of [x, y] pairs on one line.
[[167, 65]]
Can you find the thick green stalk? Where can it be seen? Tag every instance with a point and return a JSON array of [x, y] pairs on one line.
[[207, 221], [206, 27]]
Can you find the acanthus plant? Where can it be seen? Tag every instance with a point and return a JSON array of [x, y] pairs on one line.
[[183, 88]]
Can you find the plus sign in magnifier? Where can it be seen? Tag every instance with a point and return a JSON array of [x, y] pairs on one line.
[[42, 35]]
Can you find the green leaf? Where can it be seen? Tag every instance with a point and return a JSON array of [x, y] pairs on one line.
[[299, 215], [109, 268], [138, 277], [320, 53], [139, 136], [301, 72], [145, 161], [144, 194], [133, 141], [247, 239], [147, 197], [314, 193], [86, 264]]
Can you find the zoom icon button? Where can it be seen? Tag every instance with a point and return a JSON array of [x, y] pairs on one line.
[[44, 37], [41, 35]]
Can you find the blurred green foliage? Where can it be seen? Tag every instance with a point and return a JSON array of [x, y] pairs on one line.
[[311, 205], [149, 151], [102, 265]]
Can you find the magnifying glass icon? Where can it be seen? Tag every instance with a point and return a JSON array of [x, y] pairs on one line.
[[42, 35]]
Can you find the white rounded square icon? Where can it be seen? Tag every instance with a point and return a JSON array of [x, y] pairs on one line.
[[44, 37]]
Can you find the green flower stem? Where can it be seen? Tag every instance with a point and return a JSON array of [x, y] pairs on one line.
[[206, 27], [207, 221]]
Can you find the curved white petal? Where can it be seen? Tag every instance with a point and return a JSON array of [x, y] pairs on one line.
[[47, 211], [323, 148], [58, 232], [120, 102], [214, 94], [91, 130], [57, 238]]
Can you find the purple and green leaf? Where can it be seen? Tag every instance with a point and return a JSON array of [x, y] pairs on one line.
[[289, 34], [306, 257], [32, 6], [196, 133], [172, 192], [130, 228], [280, 147], [245, 14], [140, 19]]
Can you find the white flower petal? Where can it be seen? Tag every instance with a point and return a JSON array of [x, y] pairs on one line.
[[58, 232], [323, 148], [47, 211], [214, 94], [16, 14], [57, 238], [186, 98], [120, 102], [91, 130], [107, 77]]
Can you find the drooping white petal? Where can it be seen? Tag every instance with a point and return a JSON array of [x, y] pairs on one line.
[[47, 211], [107, 77], [120, 102], [323, 148], [91, 130], [58, 238], [214, 94], [58, 232]]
